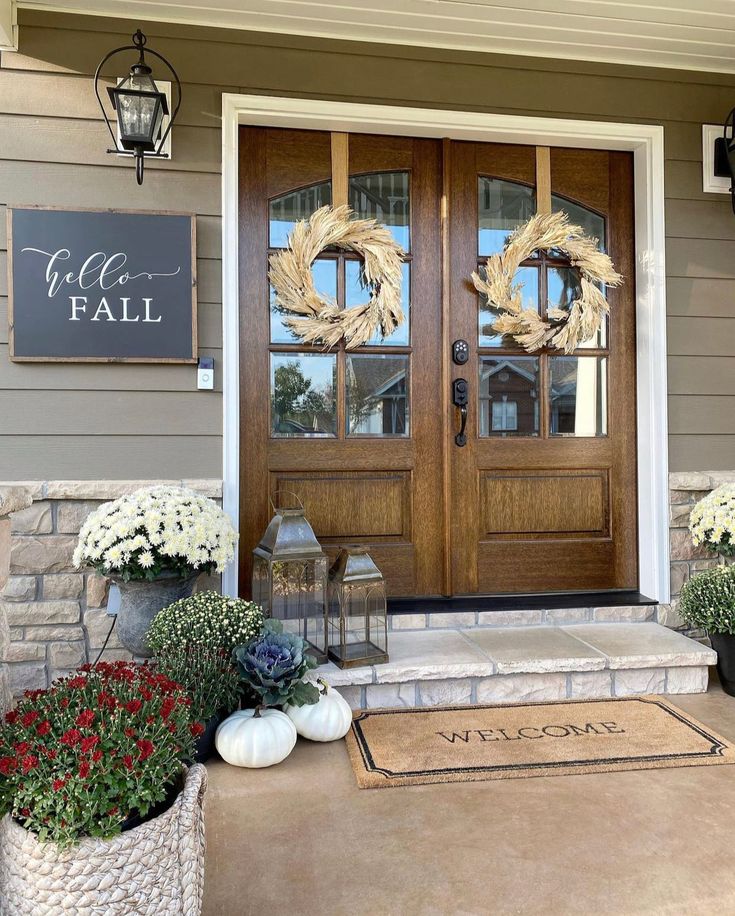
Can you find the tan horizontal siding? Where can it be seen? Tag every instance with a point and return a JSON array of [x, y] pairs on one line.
[[52, 144], [706, 415], [84, 142], [701, 375], [66, 185], [85, 413], [103, 378], [693, 453], [696, 296], [99, 457], [709, 337]]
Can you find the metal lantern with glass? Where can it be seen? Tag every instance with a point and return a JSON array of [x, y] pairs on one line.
[[358, 619], [290, 577], [140, 106]]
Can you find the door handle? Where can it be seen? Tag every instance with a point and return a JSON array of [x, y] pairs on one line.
[[460, 396]]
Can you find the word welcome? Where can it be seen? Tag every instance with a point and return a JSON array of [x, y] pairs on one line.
[[532, 732]]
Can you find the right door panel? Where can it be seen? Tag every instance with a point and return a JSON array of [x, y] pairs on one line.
[[544, 492]]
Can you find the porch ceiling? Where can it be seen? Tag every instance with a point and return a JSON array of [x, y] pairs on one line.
[[685, 34]]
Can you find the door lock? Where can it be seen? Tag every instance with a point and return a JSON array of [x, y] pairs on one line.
[[460, 352], [460, 396]]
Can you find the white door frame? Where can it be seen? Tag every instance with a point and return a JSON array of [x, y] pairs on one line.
[[647, 144]]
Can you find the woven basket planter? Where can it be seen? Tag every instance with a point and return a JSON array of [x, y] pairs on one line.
[[156, 868]]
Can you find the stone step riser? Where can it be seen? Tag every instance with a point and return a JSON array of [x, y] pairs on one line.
[[522, 618], [529, 688]]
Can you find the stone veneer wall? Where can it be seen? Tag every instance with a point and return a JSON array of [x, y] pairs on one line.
[[57, 615], [685, 489]]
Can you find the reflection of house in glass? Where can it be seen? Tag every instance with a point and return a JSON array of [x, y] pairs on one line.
[[578, 387], [509, 404], [377, 395]]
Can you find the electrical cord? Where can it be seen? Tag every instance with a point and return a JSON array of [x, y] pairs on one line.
[[107, 639]]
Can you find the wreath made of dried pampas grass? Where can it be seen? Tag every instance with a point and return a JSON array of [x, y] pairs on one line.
[[316, 319], [564, 330]]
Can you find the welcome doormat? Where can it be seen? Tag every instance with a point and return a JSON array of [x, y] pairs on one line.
[[401, 747]]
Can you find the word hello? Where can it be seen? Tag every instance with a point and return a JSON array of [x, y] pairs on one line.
[[532, 732]]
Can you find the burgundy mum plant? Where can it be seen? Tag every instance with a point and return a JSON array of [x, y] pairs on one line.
[[106, 743]]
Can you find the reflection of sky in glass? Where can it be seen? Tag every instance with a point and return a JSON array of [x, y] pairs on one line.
[[325, 280], [563, 287], [385, 197], [287, 210], [356, 294], [527, 277], [316, 368], [502, 207], [592, 223]]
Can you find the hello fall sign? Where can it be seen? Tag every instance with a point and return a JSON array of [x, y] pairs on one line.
[[105, 286]]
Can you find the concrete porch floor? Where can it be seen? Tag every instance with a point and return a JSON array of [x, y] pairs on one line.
[[301, 838]]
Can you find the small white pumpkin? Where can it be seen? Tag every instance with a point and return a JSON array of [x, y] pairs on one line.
[[327, 720], [247, 739]]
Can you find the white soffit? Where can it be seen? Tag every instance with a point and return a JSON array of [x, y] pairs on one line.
[[684, 34]]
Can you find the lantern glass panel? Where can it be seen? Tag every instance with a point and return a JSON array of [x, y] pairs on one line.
[[261, 584], [358, 623], [298, 597]]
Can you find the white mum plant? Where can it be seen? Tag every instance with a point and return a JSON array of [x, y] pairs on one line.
[[156, 530], [712, 520]]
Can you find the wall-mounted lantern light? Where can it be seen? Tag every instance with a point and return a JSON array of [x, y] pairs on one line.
[[725, 154], [140, 106]]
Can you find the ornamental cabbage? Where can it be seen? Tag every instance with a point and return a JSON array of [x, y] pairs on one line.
[[274, 666], [156, 530]]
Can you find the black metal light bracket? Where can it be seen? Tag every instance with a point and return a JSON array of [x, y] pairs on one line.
[[140, 151], [725, 154]]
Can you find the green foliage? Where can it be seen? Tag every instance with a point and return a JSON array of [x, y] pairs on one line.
[[105, 743], [708, 600], [207, 620], [208, 676], [274, 666]]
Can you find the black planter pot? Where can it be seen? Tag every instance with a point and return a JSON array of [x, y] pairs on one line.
[[204, 746], [724, 646], [135, 820]]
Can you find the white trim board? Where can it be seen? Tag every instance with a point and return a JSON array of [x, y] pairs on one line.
[[647, 144]]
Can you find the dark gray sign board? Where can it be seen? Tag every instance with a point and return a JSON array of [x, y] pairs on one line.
[[101, 285]]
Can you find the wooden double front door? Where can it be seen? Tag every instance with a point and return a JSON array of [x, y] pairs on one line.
[[542, 497]]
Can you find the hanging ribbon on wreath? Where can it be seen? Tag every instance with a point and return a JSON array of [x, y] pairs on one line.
[[563, 329], [315, 318]]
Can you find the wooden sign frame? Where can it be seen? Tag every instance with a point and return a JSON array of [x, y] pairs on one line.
[[103, 359]]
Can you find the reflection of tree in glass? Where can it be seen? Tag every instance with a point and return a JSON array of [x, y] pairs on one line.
[[361, 401], [297, 403]]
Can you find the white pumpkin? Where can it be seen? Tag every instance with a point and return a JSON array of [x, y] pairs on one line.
[[247, 740], [327, 720]]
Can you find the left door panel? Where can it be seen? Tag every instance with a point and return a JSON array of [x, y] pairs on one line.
[[356, 436]]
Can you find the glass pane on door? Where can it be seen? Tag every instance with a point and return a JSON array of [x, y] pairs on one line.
[[563, 287], [578, 395], [527, 279], [284, 212], [502, 207], [357, 293], [377, 395], [384, 196], [303, 395], [509, 402], [324, 272]]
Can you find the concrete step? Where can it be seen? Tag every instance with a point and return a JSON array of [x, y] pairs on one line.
[[460, 666]]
